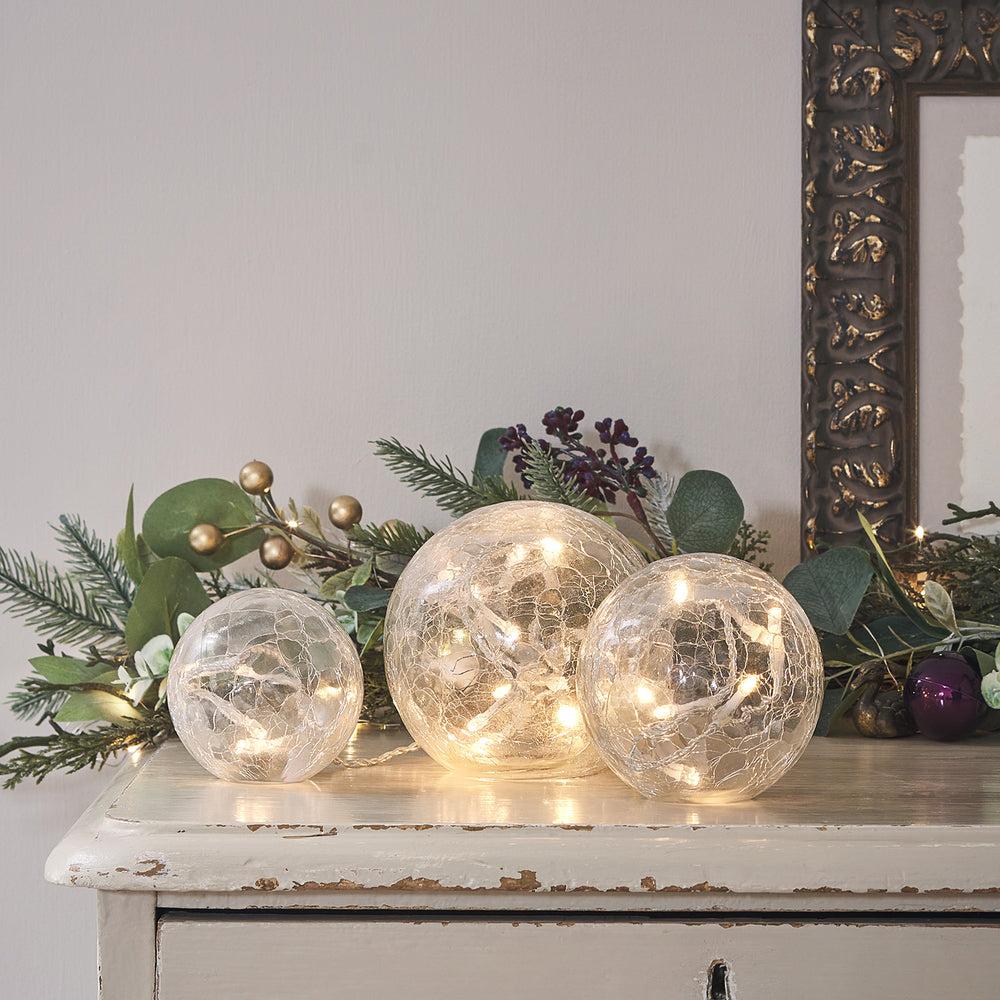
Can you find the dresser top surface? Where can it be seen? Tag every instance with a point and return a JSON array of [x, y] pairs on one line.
[[853, 815], [839, 781]]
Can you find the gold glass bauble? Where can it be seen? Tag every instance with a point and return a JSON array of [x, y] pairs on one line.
[[345, 511], [206, 539], [256, 478], [276, 552]]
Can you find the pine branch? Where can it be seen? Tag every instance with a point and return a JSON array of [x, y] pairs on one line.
[[398, 538], [35, 698], [548, 482], [960, 514], [53, 603], [95, 564], [38, 756], [441, 481]]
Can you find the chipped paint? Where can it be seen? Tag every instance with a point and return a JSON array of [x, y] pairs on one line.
[[649, 884], [401, 826], [156, 867], [263, 885]]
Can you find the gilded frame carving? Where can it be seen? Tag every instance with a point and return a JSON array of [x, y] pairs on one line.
[[865, 64]]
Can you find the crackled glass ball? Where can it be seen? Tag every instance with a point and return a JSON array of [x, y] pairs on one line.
[[265, 686], [700, 679], [483, 631]]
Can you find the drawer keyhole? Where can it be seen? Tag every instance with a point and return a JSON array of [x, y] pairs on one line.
[[718, 981]]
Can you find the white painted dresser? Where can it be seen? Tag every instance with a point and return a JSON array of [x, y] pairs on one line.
[[871, 870]]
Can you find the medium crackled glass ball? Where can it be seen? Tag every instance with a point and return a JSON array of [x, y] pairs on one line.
[[701, 679], [483, 631], [265, 685]]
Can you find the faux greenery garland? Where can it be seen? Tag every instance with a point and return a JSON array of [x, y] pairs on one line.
[[122, 606]]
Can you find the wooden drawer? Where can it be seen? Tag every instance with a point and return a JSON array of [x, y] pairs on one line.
[[463, 957]]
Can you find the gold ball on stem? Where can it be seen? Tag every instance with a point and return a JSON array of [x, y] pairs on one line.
[[344, 512], [276, 552], [206, 539], [256, 478]]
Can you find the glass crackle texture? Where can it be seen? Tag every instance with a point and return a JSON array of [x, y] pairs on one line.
[[701, 679], [483, 632], [265, 686]]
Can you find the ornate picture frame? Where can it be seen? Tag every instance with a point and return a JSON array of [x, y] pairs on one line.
[[865, 65]]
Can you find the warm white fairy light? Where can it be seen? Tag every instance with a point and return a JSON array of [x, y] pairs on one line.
[[680, 591], [568, 716], [918, 532]]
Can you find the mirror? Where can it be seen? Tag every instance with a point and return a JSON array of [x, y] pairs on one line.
[[959, 303], [866, 64]]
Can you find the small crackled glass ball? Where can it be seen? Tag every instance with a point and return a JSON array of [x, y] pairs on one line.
[[700, 679], [483, 631], [265, 686]]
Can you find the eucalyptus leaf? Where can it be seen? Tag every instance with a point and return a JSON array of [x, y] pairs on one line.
[[93, 706], [985, 662], [361, 574], [832, 709], [373, 636], [173, 514], [67, 669], [830, 587], [366, 598], [336, 582], [367, 626], [146, 555], [169, 587], [489, 458], [128, 548], [705, 513], [939, 604], [886, 637]]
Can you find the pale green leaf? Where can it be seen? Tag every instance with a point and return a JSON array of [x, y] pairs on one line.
[[93, 706], [939, 604], [66, 669]]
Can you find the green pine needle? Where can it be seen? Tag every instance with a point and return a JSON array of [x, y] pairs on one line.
[[36, 757], [399, 538], [549, 482], [35, 698], [53, 603], [449, 488], [95, 564]]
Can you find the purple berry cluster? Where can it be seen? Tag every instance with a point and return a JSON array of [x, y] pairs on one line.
[[600, 472]]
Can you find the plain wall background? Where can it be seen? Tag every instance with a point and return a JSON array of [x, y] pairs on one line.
[[279, 230]]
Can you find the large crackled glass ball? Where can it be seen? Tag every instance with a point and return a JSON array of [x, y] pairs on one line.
[[700, 679], [483, 631], [265, 686]]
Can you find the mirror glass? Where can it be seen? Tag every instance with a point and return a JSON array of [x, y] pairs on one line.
[[959, 305]]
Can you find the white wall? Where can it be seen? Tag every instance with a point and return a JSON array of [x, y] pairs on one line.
[[279, 230]]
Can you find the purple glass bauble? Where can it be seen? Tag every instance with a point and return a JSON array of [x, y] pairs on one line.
[[942, 694]]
